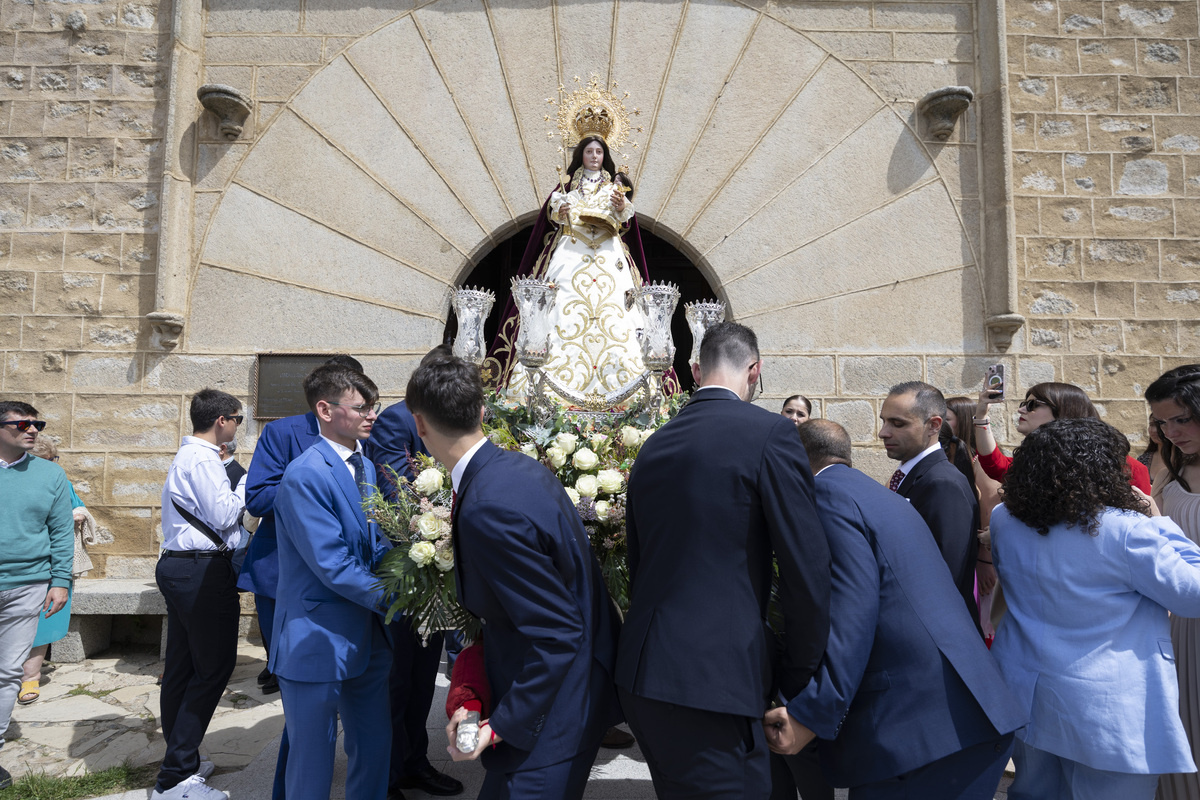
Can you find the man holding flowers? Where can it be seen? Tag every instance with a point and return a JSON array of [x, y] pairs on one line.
[[525, 568]]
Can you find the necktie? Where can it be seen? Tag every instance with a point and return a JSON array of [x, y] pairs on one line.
[[356, 462], [897, 479]]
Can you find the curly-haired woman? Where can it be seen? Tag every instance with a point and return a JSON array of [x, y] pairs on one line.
[[1086, 642], [1175, 411]]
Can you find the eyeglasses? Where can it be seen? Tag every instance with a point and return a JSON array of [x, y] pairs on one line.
[[760, 383], [363, 411], [238, 418], [1033, 404], [25, 424]]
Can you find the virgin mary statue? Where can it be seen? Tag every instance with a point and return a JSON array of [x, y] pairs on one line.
[[587, 243]]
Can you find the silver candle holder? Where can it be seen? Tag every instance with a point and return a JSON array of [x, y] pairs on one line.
[[535, 306], [472, 307], [657, 302], [700, 317]]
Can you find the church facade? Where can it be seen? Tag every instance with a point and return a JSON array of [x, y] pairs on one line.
[[787, 149]]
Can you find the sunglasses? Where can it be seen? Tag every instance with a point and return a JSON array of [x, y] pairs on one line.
[[238, 418], [25, 424], [1033, 404]]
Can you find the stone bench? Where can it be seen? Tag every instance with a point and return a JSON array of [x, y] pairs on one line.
[[94, 604]]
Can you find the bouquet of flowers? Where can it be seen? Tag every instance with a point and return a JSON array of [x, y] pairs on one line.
[[591, 455], [418, 572]]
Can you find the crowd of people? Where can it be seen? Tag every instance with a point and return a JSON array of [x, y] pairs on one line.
[[794, 625]]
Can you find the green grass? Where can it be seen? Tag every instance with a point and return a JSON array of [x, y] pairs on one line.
[[115, 779], [83, 689]]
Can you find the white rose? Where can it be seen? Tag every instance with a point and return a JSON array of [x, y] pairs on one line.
[[602, 509], [585, 459], [422, 553], [444, 560], [429, 481], [587, 485], [567, 442], [431, 526], [574, 495], [556, 455], [529, 449], [647, 433], [611, 481], [630, 436], [598, 440]]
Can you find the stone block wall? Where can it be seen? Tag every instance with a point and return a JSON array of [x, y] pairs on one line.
[[82, 109], [1106, 171]]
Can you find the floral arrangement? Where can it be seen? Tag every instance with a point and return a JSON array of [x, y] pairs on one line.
[[590, 454]]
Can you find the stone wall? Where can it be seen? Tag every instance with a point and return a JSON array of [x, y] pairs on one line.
[[1106, 168], [393, 144], [81, 117]]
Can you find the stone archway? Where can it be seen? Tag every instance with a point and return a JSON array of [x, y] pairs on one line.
[[806, 197]]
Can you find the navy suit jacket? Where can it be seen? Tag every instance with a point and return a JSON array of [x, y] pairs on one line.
[[280, 442], [526, 568], [393, 439], [328, 596], [945, 500], [905, 679], [712, 495]]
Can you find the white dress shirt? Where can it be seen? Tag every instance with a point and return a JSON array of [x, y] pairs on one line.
[[456, 474], [907, 466], [5, 465], [344, 453], [197, 481]]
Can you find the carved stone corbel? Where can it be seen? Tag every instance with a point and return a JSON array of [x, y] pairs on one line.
[[1002, 328], [231, 107], [168, 326], [941, 109]]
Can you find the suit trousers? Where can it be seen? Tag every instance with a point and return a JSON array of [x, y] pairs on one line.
[[19, 609], [972, 773], [564, 781], [1043, 775], [311, 711], [699, 755], [800, 773], [202, 630], [411, 683]]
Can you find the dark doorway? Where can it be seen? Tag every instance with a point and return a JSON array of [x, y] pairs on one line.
[[666, 265]]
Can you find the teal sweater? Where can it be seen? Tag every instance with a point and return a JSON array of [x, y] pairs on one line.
[[37, 532]]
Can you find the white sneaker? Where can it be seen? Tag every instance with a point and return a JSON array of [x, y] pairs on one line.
[[193, 788], [206, 768]]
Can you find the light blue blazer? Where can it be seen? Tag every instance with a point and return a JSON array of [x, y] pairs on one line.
[[328, 597], [1086, 642]]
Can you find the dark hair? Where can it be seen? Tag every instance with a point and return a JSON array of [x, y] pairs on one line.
[[441, 352], [607, 164], [729, 344], [801, 398], [957, 452], [1182, 385], [329, 382], [1066, 400], [964, 416], [1068, 471], [448, 392], [341, 360], [826, 442], [929, 400], [17, 408], [208, 405]]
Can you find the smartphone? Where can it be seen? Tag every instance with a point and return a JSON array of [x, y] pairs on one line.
[[994, 380]]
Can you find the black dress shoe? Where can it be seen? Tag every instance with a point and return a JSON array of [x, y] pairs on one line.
[[617, 739], [264, 676], [430, 781], [395, 794], [6, 779], [271, 686]]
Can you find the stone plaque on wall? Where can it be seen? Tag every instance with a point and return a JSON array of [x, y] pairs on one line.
[[277, 383]]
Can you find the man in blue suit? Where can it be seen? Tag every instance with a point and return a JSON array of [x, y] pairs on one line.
[[393, 441], [279, 444], [329, 647], [525, 568], [907, 700], [714, 494]]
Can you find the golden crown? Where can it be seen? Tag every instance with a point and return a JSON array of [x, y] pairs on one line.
[[593, 109]]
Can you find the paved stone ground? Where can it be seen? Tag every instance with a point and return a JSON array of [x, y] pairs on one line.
[[103, 712]]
